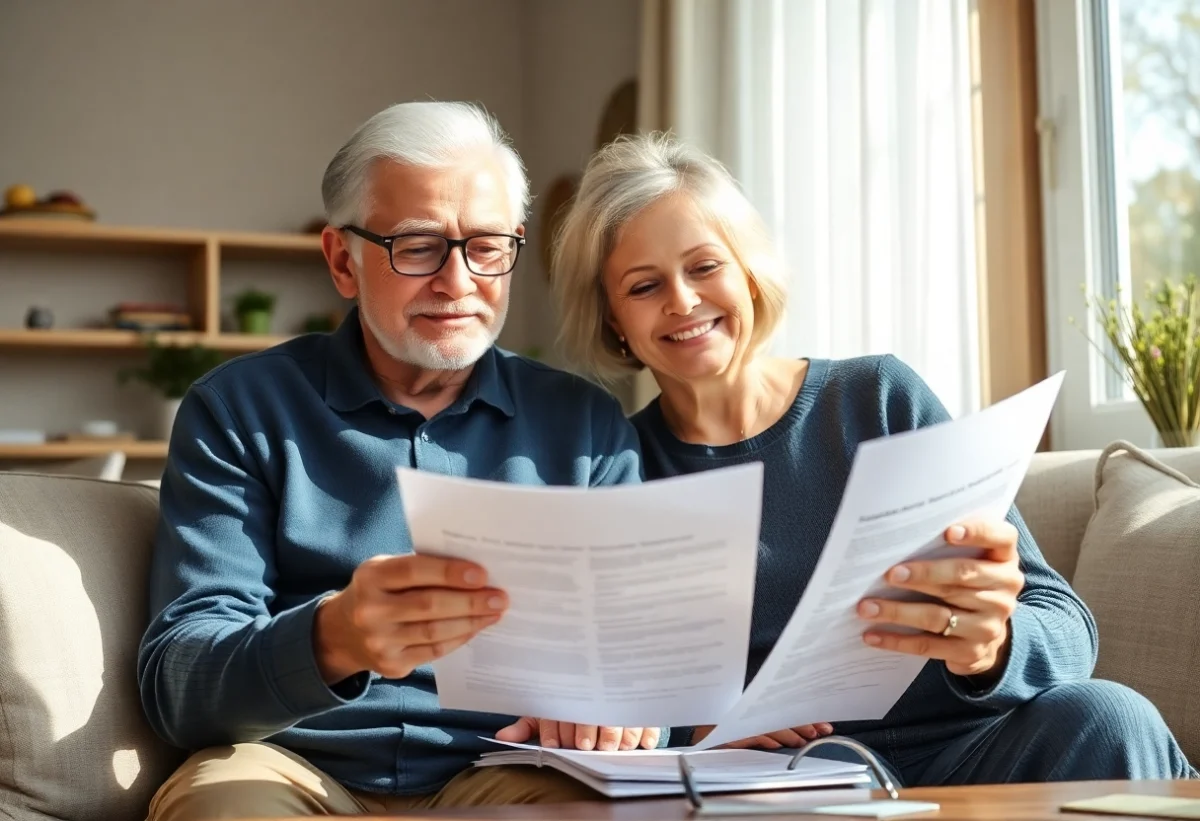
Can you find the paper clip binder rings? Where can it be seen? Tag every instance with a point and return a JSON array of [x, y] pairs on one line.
[[727, 808]]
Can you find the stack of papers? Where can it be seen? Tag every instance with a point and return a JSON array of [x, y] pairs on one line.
[[647, 773]]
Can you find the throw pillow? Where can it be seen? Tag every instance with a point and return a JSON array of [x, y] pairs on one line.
[[1139, 573], [74, 743]]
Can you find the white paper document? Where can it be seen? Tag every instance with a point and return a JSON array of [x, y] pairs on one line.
[[903, 492], [628, 605]]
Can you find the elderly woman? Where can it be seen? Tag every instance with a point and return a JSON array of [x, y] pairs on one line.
[[662, 263]]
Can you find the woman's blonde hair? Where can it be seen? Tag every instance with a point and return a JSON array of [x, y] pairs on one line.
[[620, 180]]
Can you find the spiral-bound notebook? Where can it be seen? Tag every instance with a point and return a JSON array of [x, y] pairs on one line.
[[648, 773]]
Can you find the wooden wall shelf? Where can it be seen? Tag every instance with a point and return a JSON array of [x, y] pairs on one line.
[[138, 449], [63, 235], [202, 251], [199, 255], [103, 339]]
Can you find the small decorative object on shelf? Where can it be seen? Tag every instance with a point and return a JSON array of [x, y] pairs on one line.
[[1158, 353], [171, 370], [21, 201], [39, 318], [22, 436], [98, 430], [149, 316], [19, 195], [253, 309]]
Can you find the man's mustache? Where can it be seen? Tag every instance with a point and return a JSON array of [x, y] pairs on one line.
[[461, 307]]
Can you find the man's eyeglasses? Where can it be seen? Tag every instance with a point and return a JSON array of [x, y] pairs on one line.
[[422, 255]]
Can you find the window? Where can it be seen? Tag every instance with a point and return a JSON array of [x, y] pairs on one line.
[[1153, 56], [1119, 93], [1160, 117]]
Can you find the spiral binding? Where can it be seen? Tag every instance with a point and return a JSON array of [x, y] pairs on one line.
[[864, 752], [696, 800]]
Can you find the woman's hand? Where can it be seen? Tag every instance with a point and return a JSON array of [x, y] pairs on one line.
[[793, 738], [579, 736], [968, 627]]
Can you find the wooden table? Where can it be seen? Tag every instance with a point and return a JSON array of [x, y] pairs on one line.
[[1009, 802]]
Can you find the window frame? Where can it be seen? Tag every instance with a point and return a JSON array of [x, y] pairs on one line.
[[1085, 227]]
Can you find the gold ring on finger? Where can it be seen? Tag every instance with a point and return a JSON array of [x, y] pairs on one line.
[[950, 625]]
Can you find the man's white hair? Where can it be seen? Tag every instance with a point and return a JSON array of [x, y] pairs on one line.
[[421, 134]]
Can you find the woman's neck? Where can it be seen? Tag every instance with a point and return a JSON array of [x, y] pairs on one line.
[[733, 407]]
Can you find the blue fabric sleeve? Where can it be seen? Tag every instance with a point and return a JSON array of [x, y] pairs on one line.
[[1053, 636], [215, 665], [620, 460]]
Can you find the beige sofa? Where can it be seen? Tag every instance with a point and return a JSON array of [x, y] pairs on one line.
[[73, 563]]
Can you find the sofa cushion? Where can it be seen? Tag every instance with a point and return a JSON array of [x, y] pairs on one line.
[[1139, 572], [73, 740], [1055, 500]]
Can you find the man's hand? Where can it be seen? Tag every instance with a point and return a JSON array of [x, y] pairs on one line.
[[400, 612], [967, 627], [792, 739], [579, 736]]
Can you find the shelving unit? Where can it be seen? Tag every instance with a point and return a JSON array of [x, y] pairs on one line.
[[201, 255], [140, 449], [203, 250]]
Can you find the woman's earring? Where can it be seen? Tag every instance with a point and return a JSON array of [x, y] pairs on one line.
[[624, 350]]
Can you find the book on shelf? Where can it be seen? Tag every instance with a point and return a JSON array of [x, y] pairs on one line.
[[143, 316]]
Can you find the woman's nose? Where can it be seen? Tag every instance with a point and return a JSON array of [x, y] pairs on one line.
[[682, 299]]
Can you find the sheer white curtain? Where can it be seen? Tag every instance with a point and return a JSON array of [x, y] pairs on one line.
[[848, 124]]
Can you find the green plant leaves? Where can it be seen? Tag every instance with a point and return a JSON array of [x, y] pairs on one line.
[[171, 369]]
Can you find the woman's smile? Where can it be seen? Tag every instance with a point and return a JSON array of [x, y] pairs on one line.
[[693, 333]]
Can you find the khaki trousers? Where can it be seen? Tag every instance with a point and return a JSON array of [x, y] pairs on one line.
[[265, 781]]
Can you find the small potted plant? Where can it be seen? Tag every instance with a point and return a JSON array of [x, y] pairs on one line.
[[253, 309], [1157, 351], [171, 370]]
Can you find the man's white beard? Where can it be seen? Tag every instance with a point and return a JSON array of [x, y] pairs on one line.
[[455, 350]]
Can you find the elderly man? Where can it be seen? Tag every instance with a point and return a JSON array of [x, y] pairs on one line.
[[292, 625]]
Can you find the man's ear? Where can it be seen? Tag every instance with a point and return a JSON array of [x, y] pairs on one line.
[[337, 255]]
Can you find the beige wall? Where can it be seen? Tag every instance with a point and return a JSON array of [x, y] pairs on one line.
[[223, 114], [579, 52]]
